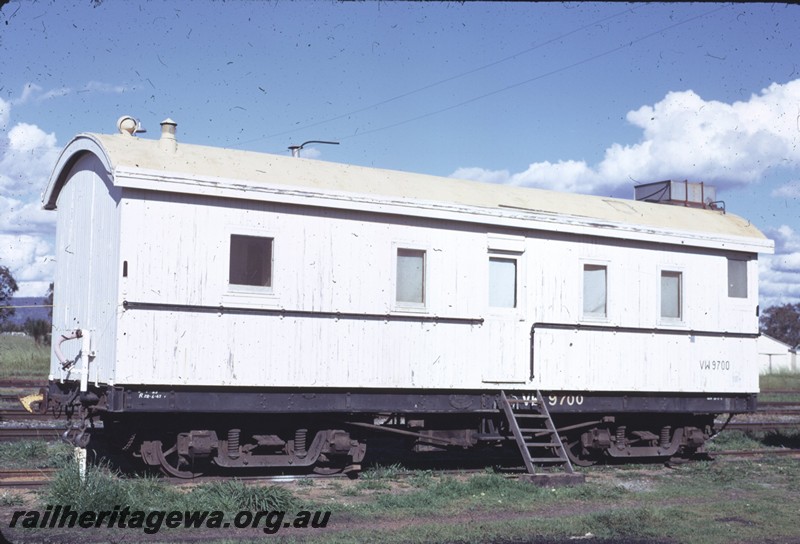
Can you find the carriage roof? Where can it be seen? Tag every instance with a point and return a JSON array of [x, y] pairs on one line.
[[229, 173]]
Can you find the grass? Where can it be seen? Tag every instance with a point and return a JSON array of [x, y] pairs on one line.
[[34, 454], [750, 440], [22, 359], [782, 381], [702, 502], [103, 488]]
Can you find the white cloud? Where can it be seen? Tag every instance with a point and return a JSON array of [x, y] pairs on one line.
[[18, 217], [788, 190], [28, 157], [99, 87], [310, 153], [683, 137], [28, 92], [30, 259], [779, 274], [5, 113], [481, 174]]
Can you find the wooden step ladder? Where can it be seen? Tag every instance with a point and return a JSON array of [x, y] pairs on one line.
[[535, 433]]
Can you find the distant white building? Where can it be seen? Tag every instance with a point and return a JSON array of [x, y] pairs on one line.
[[774, 355]]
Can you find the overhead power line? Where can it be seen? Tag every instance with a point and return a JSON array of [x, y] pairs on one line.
[[535, 78], [445, 80]]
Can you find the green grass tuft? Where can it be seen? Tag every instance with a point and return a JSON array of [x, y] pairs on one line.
[[8, 498], [234, 495], [639, 522], [103, 488], [34, 454]]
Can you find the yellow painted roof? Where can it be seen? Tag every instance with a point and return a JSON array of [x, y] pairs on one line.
[[251, 168]]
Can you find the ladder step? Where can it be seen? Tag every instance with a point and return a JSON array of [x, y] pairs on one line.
[[535, 411], [547, 459]]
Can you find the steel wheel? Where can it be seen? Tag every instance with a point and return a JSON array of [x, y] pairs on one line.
[[576, 454], [173, 464]]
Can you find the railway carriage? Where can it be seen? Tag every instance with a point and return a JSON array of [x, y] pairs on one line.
[[240, 309]]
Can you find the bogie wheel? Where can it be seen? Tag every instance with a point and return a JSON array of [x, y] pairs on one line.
[[328, 470], [577, 455], [173, 464]]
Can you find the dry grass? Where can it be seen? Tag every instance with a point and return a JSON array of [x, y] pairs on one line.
[[22, 359]]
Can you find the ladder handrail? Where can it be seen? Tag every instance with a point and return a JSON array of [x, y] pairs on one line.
[[562, 452], [512, 422]]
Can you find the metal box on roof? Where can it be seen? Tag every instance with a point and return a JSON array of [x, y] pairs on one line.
[[682, 193]]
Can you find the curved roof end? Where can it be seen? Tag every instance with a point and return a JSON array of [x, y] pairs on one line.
[[79, 146]]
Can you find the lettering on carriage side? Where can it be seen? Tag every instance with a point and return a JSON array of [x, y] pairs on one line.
[[569, 400], [151, 395], [712, 365]]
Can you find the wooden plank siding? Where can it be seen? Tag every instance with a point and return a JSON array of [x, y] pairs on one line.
[[330, 318]]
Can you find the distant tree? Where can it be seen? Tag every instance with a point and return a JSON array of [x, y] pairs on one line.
[[7, 289], [48, 300], [782, 323], [38, 329]]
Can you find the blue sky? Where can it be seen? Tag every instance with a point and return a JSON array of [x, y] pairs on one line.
[[585, 97]]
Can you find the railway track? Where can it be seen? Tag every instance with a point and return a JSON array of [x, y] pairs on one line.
[[29, 385], [27, 478], [23, 415], [762, 425], [17, 434]]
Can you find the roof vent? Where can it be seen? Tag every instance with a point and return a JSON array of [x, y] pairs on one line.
[[295, 149], [168, 130], [129, 125], [679, 193]]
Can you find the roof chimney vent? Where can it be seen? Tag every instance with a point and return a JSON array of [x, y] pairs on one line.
[[168, 130]]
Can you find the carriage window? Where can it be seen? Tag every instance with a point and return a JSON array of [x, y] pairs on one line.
[[595, 297], [671, 296], [410, 276], [737, 278], [251, 261], [502, 283]]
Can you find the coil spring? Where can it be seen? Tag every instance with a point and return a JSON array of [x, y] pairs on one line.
[[665, 436], [233, 442], [621, 435], [300, 442]]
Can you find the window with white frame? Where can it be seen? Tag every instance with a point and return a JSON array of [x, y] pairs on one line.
[[250, 261], [502, 282], [671, 294], [737, 278], [595, 290], [410, 279]]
